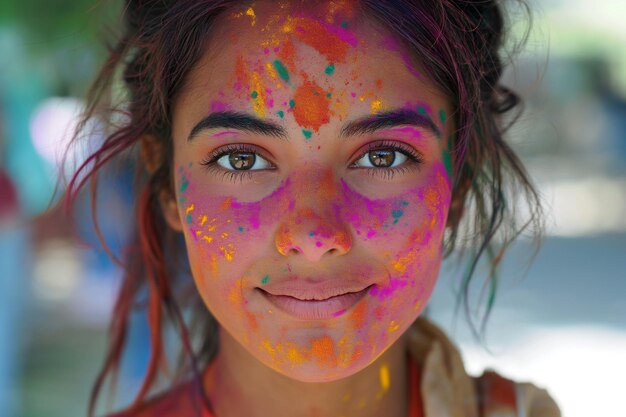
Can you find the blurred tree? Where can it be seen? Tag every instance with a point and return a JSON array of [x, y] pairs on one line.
[[66, 38]]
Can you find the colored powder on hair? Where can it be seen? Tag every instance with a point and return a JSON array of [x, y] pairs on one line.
[[314, 108], [282, 70]]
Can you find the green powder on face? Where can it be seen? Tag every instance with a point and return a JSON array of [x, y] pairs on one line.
[[421, 110], [292, 103], [447, 162], [241, 229], [442, 116], [307, 134], [281, 114], [184, 185], [189, 219], [447, 157], [265, 279], [329, 95], [396, 215], [254, 94], [330, 70], [344, 24], [282, 71]]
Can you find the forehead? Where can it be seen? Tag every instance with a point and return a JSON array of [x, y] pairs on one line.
[[279, 46]]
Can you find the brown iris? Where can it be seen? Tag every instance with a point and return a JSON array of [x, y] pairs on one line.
[[382, 157], [242, 160]]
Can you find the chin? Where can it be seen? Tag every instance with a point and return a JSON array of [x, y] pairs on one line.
[[313, 373]]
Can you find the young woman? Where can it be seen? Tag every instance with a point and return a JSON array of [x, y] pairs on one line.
[[307, 164]]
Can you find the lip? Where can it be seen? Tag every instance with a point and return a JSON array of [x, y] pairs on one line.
[[314, 308]]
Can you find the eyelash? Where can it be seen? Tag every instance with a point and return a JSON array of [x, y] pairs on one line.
[[415, 159]]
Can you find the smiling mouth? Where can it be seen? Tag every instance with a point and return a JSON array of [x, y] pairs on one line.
[[311, 308]]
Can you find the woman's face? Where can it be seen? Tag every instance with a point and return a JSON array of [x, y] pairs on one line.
[[312, 186]]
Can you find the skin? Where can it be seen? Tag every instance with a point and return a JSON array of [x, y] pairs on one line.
[[313, 208]]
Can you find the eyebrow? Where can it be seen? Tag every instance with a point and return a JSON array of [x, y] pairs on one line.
[[385, 120], [239, 121], [367, 124]]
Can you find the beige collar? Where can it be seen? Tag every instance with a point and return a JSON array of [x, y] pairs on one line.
[[447, 390]]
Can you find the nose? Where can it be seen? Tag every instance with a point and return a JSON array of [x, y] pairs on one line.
[[313, 228]]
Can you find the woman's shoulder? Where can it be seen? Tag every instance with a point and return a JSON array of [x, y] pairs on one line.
[[448, 389], [498, 395], [183, 400]]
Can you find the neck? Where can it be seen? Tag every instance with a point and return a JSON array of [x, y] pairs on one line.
[[238, 384]]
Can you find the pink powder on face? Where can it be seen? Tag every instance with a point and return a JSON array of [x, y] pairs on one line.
[[391, 44], [227, 133], [218, 106]]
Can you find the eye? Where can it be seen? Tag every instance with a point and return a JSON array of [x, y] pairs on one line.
[[235, 162], [237, 157], [388, 156], [382, 158]]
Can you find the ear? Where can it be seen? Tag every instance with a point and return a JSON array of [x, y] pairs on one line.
[[153, 157]]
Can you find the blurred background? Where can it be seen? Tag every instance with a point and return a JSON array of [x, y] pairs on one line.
[[560, 323]]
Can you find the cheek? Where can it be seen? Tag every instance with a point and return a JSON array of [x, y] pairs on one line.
[[224, 236], [405, 233]]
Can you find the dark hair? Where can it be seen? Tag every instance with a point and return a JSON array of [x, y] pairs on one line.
[[457, 42]]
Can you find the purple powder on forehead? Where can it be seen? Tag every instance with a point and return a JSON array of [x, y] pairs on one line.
[[391, 44], [217, 106]]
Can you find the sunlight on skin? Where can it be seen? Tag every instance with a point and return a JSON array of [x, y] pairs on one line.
[[314, 217]]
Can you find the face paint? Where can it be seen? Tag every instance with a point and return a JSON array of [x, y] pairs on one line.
[[317, 262]]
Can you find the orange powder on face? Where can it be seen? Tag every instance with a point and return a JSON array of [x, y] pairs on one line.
[[241, 75], [287, 55], [323, 351], [252, 321], [357, 317], [226, 204], [311, 109], [318, 37]]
